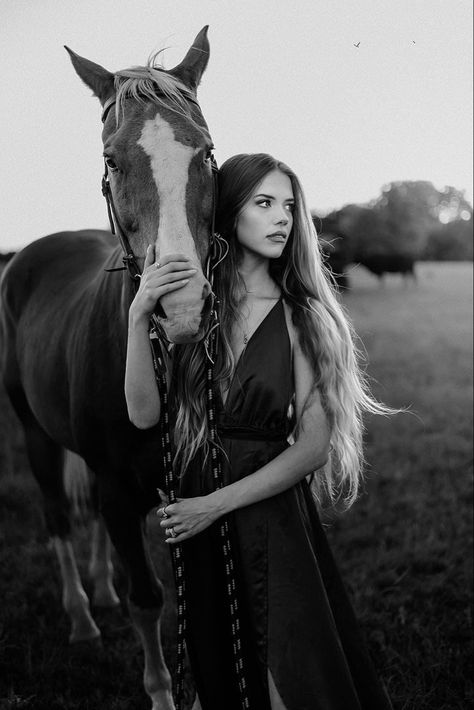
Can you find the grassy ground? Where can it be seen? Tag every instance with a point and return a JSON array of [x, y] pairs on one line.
[[404, 549]]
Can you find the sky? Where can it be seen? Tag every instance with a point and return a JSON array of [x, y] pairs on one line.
[[283, 77]]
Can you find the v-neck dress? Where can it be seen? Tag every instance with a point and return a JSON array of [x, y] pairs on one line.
[[296, 619]]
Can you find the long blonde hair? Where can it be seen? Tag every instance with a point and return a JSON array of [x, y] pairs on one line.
[[324, 331]]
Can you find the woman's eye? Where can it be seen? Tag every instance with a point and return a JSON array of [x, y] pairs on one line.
[[264, 203], [110, 162]]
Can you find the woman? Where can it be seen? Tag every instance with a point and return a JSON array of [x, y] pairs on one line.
[[286, 370]]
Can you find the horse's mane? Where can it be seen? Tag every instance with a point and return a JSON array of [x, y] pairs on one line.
[[152, 83]]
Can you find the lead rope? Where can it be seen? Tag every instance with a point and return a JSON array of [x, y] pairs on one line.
[[231, 587], [219, 252], [176, 550]]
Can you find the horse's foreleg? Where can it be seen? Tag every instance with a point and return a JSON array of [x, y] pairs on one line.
[[100, 567], [75, 601], [157, 683], [127, 531]]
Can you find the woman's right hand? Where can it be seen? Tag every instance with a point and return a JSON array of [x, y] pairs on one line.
[[158, 278]]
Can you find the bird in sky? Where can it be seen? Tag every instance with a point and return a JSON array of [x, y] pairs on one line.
[[357, 45]]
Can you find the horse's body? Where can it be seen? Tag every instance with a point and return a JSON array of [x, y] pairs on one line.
[[381, 264], [64, 331]]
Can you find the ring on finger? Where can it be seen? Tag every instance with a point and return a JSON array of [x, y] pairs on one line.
[[170, 532]]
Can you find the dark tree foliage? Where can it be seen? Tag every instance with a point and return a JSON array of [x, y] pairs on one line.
[[410, 219], [451, 242]]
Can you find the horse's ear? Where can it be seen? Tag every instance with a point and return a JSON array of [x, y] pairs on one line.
[[191, 69], [96, 77]]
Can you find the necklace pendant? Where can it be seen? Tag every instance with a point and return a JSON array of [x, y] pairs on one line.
[[246, 339]]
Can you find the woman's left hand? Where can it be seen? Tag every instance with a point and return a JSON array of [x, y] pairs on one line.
[[186, 517]]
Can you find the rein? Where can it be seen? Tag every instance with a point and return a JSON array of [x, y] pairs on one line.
[[128, 258], [218, 249]]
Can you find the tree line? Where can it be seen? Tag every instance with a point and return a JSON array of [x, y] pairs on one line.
[[410, 219]]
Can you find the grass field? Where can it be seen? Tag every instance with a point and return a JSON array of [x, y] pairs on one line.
[[404, 549]]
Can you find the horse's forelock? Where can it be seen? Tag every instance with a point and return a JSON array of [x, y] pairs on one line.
[[151, 83]]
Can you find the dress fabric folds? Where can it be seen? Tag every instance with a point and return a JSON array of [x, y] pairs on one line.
[[296, 619]]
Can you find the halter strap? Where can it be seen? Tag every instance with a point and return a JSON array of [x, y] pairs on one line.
[[128, 257]]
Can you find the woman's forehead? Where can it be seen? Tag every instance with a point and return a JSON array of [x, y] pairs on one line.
[[275, 184]]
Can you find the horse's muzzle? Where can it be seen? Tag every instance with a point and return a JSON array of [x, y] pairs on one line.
[[184, 314]]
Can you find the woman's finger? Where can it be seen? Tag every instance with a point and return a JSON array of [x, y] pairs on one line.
[[179, 538], [173, 286], [178, 529], [168, 258], [149, 256], [168, 521], [173, 267], [160, 279], [152, 294]]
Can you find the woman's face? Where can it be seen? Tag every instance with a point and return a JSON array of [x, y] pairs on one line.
[[265, 222]]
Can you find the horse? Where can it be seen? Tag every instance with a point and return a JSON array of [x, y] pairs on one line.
[[381, 264], [63, 325]]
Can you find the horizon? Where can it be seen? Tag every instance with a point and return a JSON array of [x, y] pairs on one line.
[[352, 95]]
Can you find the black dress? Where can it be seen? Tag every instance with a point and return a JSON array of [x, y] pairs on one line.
[[296, 618]]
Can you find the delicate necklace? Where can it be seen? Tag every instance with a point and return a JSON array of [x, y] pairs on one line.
[[247, 334]]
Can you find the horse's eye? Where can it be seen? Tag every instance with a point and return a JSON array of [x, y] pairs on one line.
[[111, 164]]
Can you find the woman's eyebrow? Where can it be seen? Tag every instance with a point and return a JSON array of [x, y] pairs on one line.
[[271, 197]]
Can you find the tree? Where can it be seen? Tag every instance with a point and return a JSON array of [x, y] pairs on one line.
[[409, 219], [451, 242]]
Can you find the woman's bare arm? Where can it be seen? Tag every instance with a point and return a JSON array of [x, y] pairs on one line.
[[308, 453], [189, 516], [141, 393]]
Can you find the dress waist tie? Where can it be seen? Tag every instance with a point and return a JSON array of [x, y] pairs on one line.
[[251, 433]]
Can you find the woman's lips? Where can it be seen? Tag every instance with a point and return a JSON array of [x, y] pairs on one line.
[[277, 238]]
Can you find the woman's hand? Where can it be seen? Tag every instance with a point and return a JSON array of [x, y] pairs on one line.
[[170, 274], [187, 517]]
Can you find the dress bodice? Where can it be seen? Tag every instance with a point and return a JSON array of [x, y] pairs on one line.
[[261, 388]]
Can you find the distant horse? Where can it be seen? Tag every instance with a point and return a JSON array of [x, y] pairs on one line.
[[64, 331], [381, 264]]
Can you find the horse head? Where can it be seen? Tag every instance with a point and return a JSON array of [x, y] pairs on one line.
[[158, 156]]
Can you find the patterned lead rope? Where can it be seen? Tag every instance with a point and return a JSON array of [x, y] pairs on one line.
[[231, 587], [176, 550]]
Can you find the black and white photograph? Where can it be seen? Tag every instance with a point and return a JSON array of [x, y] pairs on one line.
[[236, 355]]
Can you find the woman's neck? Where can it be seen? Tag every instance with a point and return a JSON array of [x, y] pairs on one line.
[[256, 276]]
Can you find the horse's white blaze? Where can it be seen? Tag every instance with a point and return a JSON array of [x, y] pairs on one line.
[[170, 160]]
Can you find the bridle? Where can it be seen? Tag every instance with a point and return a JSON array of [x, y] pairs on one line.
[[128, 258], [217, 245]]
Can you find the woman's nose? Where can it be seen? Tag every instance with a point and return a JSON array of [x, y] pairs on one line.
[[281, 217]]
